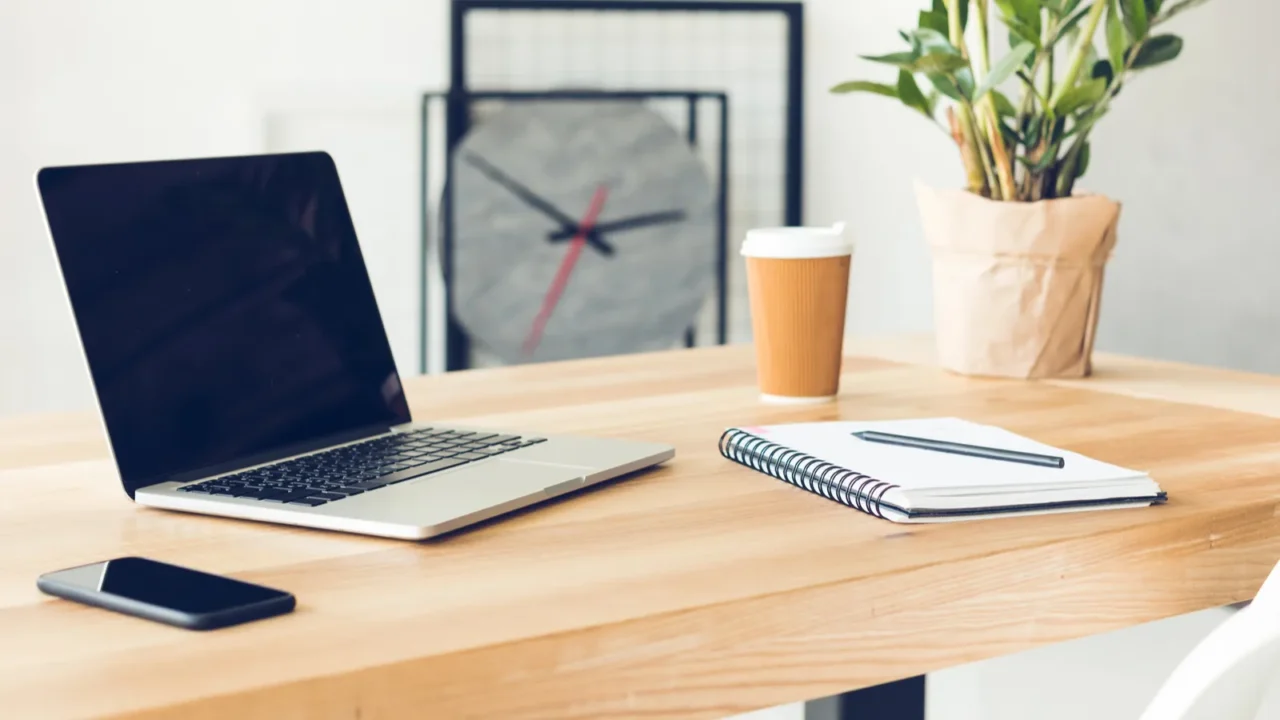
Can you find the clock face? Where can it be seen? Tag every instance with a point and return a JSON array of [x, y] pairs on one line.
[[581, 228]]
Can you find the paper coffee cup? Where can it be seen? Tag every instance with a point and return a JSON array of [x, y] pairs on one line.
[[798, 281]]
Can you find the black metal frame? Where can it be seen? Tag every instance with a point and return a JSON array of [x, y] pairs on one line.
[[458, 103], [457, 120]]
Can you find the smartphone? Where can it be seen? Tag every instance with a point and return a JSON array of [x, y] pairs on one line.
[[166, 593]]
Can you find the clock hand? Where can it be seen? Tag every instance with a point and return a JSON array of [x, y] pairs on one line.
[[566, 268], [631, 223], [567, 225]]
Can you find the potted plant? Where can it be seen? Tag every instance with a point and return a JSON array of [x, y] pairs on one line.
[[1019, 254]]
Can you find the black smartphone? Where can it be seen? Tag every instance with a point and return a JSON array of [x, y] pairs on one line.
[[166, 593]]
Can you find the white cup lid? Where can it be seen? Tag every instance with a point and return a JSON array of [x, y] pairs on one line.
[[797, 242]]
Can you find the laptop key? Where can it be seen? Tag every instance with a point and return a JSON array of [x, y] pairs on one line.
[[429, 468], [371, 484], [298, 494], [326, 496], [470, 456], [282, 496], [348, 490]]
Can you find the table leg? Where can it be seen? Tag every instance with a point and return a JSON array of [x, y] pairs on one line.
[[900, 700]]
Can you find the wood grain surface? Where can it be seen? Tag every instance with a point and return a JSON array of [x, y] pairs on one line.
[[697, 590]]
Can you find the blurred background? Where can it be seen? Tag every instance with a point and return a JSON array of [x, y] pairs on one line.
[[1189, 150]]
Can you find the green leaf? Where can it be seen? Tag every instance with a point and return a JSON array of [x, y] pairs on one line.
[[1117, 37], [1102, 69], [1177, 9], [1033, 132], [901, 59], [1082, 162], [1153, 7], [910, 95], [932, 98], [929, 40], [1053, 6], [964, 80], [1042, 164], [1070, 6], [1080, 96], [864, 86], [933, 20], [1004, 108], [1068, 25], [1020, 32], [1026, 12], [939, 6], [915, 44], [1055, 132], [945, 85], [1011, 137], [1135, 17], [1159, 49], [1003, 69], [938, 62]]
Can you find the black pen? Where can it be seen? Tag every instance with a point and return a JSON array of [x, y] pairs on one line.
[[955, 448]]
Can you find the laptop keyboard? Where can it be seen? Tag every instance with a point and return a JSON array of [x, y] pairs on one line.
[[339, 473]]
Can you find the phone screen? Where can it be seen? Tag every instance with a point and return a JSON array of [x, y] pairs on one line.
[[164, 585]]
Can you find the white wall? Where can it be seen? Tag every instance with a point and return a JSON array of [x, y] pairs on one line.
[[91, 81], [1189, 148]]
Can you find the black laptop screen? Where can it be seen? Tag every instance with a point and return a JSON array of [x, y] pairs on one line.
[[224, 308]]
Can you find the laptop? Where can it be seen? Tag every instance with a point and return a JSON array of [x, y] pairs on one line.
[[242, 368]]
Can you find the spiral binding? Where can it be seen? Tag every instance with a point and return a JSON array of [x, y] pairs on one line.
[[805, 471]]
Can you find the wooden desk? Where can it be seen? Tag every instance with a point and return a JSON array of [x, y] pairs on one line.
[[698, 590]]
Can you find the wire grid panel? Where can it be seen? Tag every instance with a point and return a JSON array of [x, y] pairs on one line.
[[744, 54]]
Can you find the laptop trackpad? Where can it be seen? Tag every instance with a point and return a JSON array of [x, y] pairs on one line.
[[480, 488], [555, 478]]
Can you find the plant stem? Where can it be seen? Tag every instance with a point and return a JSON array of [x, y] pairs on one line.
[[974, 145], [969, 129], [1000, 156], [972, 164], [1080, 52], [984, 50], [1025, 110], [956, 30], [1003, 187], [1052, 29]]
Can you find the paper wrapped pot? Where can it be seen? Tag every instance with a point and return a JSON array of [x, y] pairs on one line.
[[1017, 286]]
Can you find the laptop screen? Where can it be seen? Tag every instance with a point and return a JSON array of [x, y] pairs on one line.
[[224, 308]]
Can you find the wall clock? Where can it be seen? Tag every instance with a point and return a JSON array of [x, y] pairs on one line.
[[580, 228]]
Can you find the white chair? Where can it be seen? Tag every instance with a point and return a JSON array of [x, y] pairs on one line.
[[1227, 676]]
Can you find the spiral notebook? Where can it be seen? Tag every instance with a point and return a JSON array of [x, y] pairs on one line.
[[911, 485]]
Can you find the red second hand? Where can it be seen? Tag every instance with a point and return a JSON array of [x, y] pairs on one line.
[[566, 269]]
